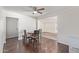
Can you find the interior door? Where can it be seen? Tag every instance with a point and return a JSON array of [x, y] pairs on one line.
[[11, 27]]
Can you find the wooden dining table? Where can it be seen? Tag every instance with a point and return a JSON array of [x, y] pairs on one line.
[[34, 41]]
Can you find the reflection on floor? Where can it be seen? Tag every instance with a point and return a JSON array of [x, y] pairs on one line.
[[46, 46], [49, 35], [16, 46]]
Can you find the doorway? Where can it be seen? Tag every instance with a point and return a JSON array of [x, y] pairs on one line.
[[11, 27]]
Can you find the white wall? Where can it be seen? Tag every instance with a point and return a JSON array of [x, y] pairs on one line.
[[48, 24], [25, 22], [68, 28], [2, 30]]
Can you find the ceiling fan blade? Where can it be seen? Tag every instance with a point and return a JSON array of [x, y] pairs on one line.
[[40, 12], [42, 9]]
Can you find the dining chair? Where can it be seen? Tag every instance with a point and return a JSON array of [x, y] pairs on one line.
[[26, 38]]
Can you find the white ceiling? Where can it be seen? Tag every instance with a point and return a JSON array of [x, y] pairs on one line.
[[27, 10]]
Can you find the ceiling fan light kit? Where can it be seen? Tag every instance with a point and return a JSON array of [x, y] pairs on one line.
[[37, 10]]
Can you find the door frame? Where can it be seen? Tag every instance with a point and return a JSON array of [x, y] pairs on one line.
[[17, 25]]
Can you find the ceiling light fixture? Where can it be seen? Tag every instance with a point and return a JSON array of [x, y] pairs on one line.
[[35, 12]]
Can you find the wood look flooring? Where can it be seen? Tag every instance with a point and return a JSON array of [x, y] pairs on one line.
[[52, 36], [46, 45], [17, 46]]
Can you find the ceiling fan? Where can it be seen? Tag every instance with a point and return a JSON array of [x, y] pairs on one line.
[[36, 10]]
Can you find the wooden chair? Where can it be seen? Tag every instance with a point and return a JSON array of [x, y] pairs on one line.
[[35, 41], [26, 39]]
